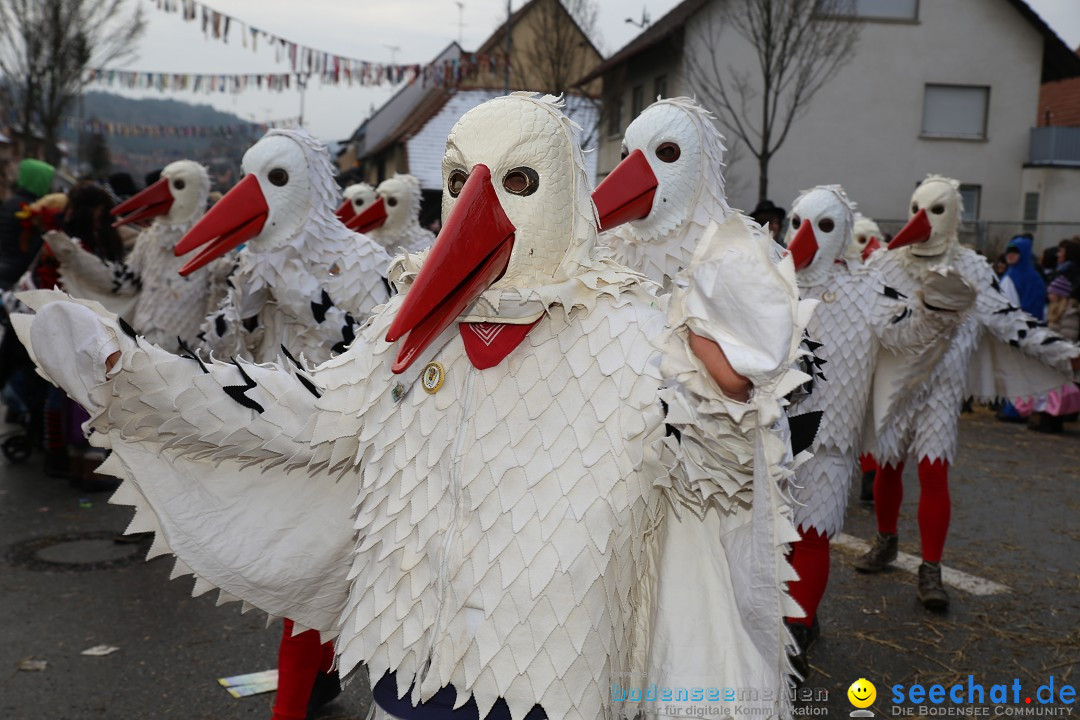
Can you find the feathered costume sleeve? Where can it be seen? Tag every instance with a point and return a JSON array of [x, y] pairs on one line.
[[728, 462]]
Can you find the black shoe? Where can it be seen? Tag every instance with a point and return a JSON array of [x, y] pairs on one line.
[[804, 638], [327, 687], [1046, 423], [931, 591], [57, 465], [866, 493], [880, 555]]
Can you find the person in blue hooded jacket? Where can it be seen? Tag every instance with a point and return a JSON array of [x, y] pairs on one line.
[[1024, 277], [1023, 284]]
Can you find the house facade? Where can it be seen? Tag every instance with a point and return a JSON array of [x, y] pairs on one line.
[[1051, 179], [934, 86], [548, 52]]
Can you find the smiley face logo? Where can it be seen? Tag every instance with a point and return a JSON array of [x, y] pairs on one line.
[[862, 693]]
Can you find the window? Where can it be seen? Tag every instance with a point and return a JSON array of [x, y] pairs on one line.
[[1031, 211], [955, 111], [637, 103], [871, 9], [970, 195], [614, 115], [660, 87]]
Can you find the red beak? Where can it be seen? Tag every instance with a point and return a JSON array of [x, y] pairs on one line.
[[154, 200], [234, 219], [803, 247], [871, 245], [627, 193], [917, 230], [345, 211], [472, 252], [373, 216]]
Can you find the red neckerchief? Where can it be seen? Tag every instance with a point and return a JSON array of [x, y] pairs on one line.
[[488, 343]]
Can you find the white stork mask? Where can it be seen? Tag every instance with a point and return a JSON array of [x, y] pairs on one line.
[[865, 239], [822, 219], [176, 200], [516, 216], [287, 186], [358, 198], [392, 218], [933, 218], [671, 171]]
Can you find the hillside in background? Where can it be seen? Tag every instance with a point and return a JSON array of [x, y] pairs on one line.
[[139, 155]]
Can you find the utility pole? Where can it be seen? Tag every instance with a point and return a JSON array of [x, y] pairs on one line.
[[460, 21], [506, 63]]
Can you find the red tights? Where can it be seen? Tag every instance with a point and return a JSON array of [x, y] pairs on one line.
[[935, 507], [300, 658], [810, 558]]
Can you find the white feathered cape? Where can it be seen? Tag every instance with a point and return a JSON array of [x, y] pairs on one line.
[[504, 534]]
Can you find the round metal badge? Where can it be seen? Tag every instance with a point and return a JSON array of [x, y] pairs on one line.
[[432, 377]]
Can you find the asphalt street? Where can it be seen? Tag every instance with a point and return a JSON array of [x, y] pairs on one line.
[[1014, 523]]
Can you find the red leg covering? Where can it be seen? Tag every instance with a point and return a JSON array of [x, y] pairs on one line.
[[935, 507], [888, 494], [867, 463], [810, 558], [300, 659]]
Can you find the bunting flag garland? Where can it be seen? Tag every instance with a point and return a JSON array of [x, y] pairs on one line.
[[97, 127], [448, 73], [303, 60]]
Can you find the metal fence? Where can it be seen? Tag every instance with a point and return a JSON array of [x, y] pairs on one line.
[[990, 238]]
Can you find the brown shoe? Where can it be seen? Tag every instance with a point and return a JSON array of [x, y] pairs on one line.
[[931, 591], [880, 555]]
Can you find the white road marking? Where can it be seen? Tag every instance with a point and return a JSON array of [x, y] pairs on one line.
[[956, 578]]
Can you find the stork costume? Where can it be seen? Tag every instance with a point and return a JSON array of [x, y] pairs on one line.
[[668, 189], [857, 314], [145, 289], [472, 497], [997, 351], [865, 239], [358, 198], [667, 138], [303, 280], [393, 219]]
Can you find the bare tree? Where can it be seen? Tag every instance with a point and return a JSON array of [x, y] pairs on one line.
[[799, 45], [46, 46], [558, 52]]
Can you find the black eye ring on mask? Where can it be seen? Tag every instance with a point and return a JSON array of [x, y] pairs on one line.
[[278, 177], [521, 181], [937, 209], [178, 184], [391, 201], [668, 152], [826, 225], [455, 181]]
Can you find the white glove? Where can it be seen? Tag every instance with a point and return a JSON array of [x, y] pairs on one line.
[[947, 290], [71, 344], [738, 298], [63, 247]]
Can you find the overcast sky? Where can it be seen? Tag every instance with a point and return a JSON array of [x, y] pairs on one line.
[[366, 29]]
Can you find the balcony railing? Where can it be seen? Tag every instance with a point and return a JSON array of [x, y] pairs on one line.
[[1055, 146]]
